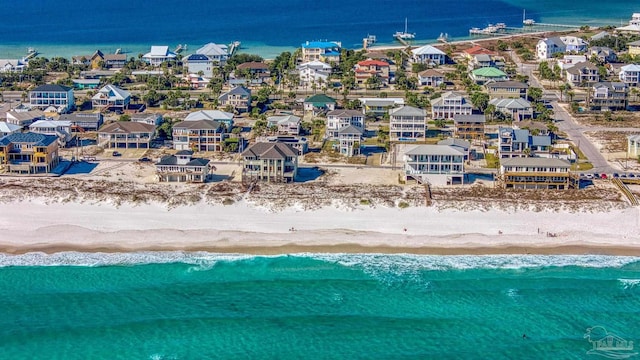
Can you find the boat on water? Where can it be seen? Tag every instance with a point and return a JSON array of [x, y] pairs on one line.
[[525, 21], [404, 35], [443, 38]]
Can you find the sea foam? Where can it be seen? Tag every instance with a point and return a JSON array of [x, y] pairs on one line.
[[392, 263]]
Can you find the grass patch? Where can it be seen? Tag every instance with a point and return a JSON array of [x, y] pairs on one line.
[[403, 205], [581, 166], [228, 201], [578, 152], [493, 162], [365, 202]]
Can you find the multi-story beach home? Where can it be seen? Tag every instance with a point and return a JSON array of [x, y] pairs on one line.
[[520, 143], [147, 118], [218, 53], [269, 162], [634, 48], [349, 141], [546, 48], [60, 129], [199, 64], [506, 89], [319, 103], [24, 118], [633, 146], [603, 54], [568, 61], [81, 122], [609, 96], [450, 104], [338, 119], [633, 27], [476, 50], [7, 128], [434, 164], [428, 55], [313, 72], [250, 73], [12, 65], [239, 98], [583, 73], [430, 77], [407, 123], [367, 69], [517, 109], [484, 60], [29, 153], [535, 173], [286, 124], [58, 96], [325, 51], [199, 135], [298, 143], [182, 167], [158, 55], [112, 98], [630, 74], [470, 127], [574, 44], [99, 60], [485, 74], [463, 145], [223, 117], [379, 106], [86, 84], [126, 135]]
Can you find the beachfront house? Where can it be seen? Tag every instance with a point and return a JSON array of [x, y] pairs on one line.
[[476, 50], [379, 106], [60, 129], [630, 74], [368, 69], [546, 48], [434, 164], [463, 145], [298, 143], [521, 143], [147, 118], [319, 103], [470, 127], [313, 72], [182, 167], [286, 124], [634, 48], [430, 77], [7, 128], [339, 119], [535, 173], [29, 153], [99, 60], [58, 96], [407, 123], [633, 146], [269, 162], [506, 89], [223, 117], [633, 27], [199, 64], [484, 60], [126, 135], [251, 73], [82, 122], [429, 55], [199, 135], [583, 73], [112, 98], [448, 105], [485, 74], [349, 141], [516, 109], [158, 55], [217, 53], [325, 51], [609, 96], [239, 98], [12, 65], [24, 118]]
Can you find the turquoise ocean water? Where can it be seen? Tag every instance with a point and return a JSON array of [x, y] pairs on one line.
[[76, 27], [208, 306]]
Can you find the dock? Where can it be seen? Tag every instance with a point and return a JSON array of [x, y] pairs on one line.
[[233, 47], [31, 53], [402, 41]]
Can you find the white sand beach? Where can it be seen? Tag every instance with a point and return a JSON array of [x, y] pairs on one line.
[[39, 225]]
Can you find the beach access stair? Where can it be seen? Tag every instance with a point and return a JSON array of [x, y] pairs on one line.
[[633, 200]]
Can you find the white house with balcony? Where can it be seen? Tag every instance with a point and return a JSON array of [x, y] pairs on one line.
[[407, 123], [630, 74], [158, 55], [434, 164], [61, 129], [450, 104], [111, 97], [313, 72], [58, 96], [286, 124], [182, 167], [428, 55], [338, 119]]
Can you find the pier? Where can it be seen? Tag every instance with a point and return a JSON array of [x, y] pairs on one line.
[[233, 47], [402, 41]]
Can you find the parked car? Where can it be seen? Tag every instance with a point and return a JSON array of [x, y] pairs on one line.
[[144, 159], [603, 176], [115, 153]]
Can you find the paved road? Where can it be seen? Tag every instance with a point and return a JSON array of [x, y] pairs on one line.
[[566, 123]]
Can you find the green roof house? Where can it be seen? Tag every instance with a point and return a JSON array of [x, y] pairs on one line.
[[485, 74], [319, 103]]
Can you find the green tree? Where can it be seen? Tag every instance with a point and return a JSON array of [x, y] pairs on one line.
[[535, 94], [480, 100]]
